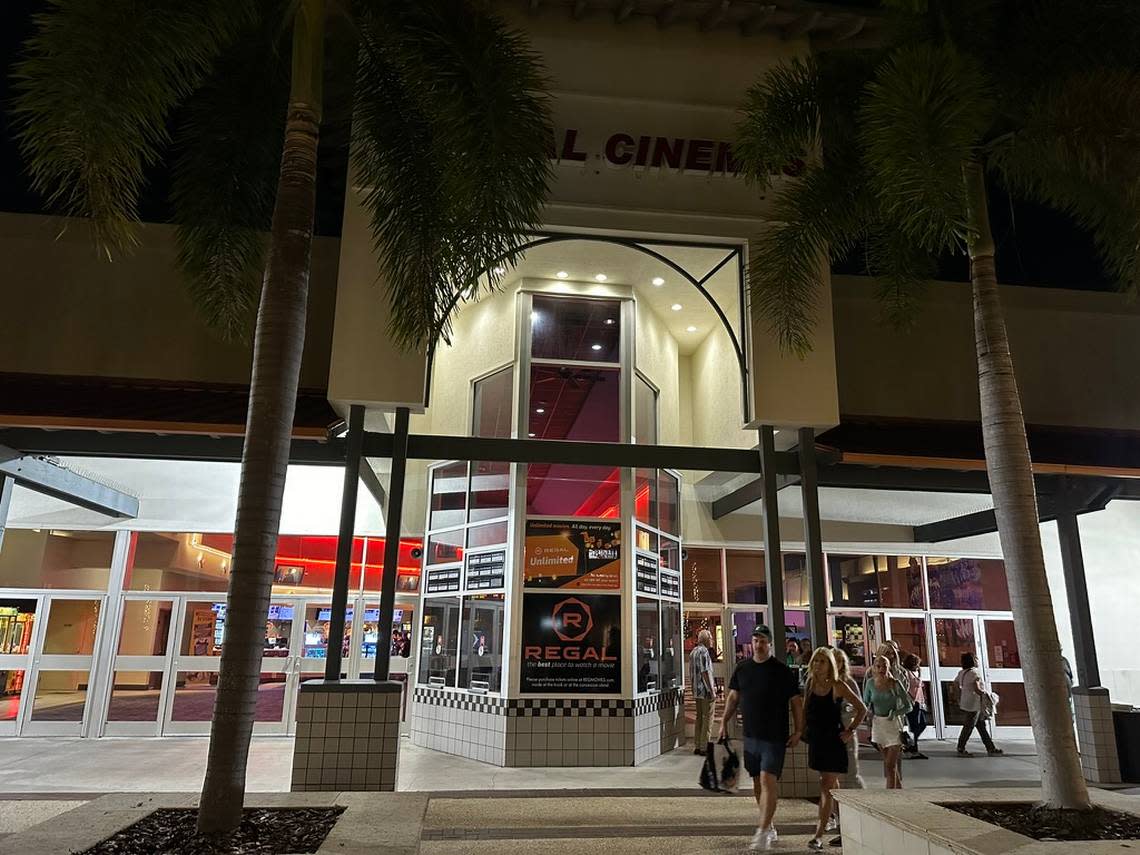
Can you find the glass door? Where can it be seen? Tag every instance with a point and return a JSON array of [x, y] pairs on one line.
[[199, 634], [849, 634], [1001, 666], [954, 635], [910, 631], [738, 647], [17, 637], [139, 679], [61, 666]]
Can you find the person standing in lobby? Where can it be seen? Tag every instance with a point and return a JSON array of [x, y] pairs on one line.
[[704, 694], [764, 688]]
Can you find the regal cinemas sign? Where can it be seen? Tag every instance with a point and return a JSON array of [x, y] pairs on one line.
[[622, 150]]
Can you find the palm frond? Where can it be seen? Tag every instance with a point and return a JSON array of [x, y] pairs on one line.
[[902, 270], [228, 152], [925, 114], [452, 149], [781, 120], [95, 91]]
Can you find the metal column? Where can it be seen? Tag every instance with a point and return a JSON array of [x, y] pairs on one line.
[[344, 541], [392, 542], [813, 537], [773, 559], [1073, 562], [7, 485]]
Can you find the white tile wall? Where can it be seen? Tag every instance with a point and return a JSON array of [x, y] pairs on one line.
[[1096, 736], [346, 739]]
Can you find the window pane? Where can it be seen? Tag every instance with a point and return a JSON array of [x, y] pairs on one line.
[[173, 561], [135, 696], [438, 643], [971, 584], [490, 490], [448, 496], [487, 535], [952, 712], [910, 633], [56, 559], [17, 617], [900, 582], [146, 627], [203, 628], [646, 540], [742, 625], [278, 630], [481, 656], [876, 580], [568, 402], [668, 503], [797, 583], [952, 638], [493, 405], [71, 627], [746, 580], [644, 413], [1001, 644], [670, 554], [1013, 709], [60, 696], [572, 491], [445, 548], [194, 693], [645, 496], [671, 645], [11, 689], [850, 637], [575, 328], [315, 640], [648, 652], [700, 575]]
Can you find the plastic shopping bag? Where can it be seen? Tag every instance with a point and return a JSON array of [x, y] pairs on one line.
[[721, 770]]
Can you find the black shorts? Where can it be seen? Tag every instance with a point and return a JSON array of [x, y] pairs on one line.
[[764, 755]]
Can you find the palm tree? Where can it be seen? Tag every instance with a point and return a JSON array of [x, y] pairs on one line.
[[449, 143], [902, 141]]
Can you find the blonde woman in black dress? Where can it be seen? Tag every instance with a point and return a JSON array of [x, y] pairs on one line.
[[827, 737]]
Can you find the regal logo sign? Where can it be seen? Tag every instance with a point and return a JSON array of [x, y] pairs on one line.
[[676, 154], [571, 645]]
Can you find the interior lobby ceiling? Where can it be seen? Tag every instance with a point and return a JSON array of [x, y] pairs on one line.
[[583, 260]]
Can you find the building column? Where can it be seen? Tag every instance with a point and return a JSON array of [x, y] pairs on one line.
[[1092, 706], [7, 485], [392, 525], [344, 542], [813, 537], [773, 559]]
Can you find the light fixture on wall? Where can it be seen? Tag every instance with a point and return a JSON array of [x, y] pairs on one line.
[[658, 281], [676, 307], [561, 274], [690, 329], [600, 277], [540, 411], [595, 347]]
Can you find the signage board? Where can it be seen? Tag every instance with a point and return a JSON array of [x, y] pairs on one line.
[[485, 570], [571, 644], [442, 581], [573, 554], [670, 584], [645, 573]]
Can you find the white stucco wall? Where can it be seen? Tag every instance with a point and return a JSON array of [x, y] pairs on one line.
[[656, 358], [718, 419]]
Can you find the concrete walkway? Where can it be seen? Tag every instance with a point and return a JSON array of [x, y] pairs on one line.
[[61, 766]]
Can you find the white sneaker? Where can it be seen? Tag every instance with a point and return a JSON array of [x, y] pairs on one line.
[[832, 824], [816, 844], [763, 839]]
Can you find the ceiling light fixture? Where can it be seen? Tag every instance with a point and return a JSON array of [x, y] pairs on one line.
[[530, 434], [609, 321], [595, 347], [540, 411], [658, 281], [676, 307], [600, 277], [561, 274], [690, 329]]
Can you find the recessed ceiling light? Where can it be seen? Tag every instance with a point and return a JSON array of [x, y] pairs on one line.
[[658, 281], [676, 307], [601, 277], [561, 274], [499, 271], [608, 321], [595, 347], [540, 411], [690, 329], [530, 434]]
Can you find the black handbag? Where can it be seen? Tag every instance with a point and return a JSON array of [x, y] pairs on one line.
[[722, 777]]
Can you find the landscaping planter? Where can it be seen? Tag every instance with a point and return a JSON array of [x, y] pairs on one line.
[[915, 822]]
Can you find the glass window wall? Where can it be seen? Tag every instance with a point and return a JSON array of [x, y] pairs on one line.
[[876, 581], [700, 575], [481, 653], [48, 558], [575, 403], [579, 329], [494, 404], [576, 491], [439, 641], [967, 584], [648, 645]]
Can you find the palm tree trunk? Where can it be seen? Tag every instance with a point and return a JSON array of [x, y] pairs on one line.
[[279, 342], [1015, 506]]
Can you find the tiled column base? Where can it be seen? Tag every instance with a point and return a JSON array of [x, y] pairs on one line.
[[348, 736], [472, 726], [658, 725], [1096, 736]]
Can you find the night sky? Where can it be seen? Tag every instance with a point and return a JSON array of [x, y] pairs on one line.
[[1036, 246]]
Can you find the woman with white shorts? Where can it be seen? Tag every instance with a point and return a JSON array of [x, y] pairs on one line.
[[886, 698]]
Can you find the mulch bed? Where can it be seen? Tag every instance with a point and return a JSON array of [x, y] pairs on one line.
[[1045, 824], [263, 831]]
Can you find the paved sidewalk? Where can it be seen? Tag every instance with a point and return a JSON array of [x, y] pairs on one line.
[[176, 764]]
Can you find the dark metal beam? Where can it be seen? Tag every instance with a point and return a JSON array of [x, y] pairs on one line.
[[746, 495], [430, 447], [715, 15], [621, 15], [392, 525], [773, 559], [1076, 589], [344, 542], [758, 21], [813, 537], [41, 475], [156, 446]]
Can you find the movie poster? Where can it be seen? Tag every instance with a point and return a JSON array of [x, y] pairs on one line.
[[571, 644], [573, 554]]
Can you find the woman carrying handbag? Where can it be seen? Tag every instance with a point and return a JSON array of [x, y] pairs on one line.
[[888, 701]]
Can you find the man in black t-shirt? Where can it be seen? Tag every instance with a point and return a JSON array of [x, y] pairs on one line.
[[763, 687]]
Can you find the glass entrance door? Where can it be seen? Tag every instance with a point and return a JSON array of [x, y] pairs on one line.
[[954, 635], [1001, 664], [849, 634], [199, 634], [140, 678], [911, 633], [61, 666], [18, 616]]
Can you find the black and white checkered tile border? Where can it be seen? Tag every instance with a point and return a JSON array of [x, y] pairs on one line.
[[456, 700], [521, 707], [655, 703]]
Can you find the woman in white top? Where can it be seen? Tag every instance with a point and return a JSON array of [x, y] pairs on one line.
[[970, 691]]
